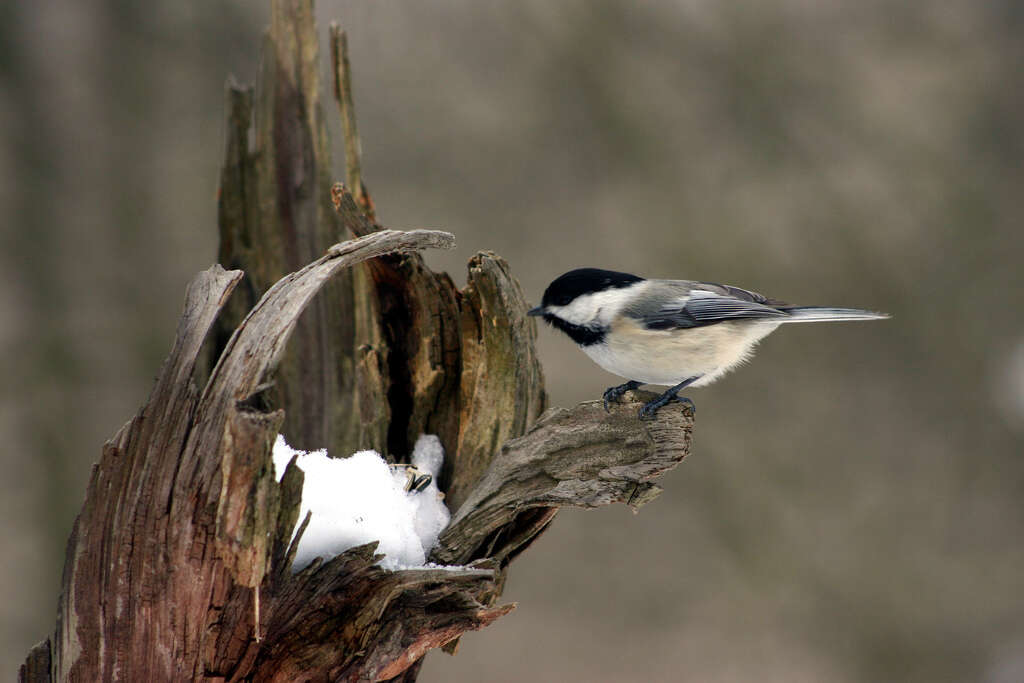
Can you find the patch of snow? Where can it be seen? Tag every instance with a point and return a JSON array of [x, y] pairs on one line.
[[359, 499], [430, 514]]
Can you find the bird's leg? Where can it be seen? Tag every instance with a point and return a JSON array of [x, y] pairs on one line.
[[615, 393], [651, 407]]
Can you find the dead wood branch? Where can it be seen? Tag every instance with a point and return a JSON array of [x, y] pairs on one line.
[[342, 72], [581, 457]]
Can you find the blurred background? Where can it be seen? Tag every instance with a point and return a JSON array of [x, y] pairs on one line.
[[852, 509]]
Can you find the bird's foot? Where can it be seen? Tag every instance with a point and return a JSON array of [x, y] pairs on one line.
[[650, 409], [613, 394]]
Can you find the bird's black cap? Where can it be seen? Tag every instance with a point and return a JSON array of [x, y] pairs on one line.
[[582, 281]]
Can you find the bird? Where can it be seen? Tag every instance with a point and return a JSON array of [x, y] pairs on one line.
[[675, 333]]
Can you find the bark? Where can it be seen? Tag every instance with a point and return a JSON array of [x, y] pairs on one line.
[[179, 565]]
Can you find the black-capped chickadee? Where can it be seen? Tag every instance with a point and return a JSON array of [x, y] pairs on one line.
[[670, 332]]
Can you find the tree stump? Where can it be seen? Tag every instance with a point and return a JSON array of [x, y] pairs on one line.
[[179, 565]]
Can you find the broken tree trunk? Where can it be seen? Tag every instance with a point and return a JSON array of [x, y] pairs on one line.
[[184, 524], [179, 566]]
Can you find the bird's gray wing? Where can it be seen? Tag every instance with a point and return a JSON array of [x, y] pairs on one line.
[[681, 305]]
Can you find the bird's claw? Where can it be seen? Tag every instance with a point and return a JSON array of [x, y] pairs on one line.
[[613, 394], [650, 409], [610, 396]]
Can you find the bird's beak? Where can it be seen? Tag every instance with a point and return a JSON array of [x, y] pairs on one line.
[[538, 310]]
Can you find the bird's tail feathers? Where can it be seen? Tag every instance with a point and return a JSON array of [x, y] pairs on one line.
[[819, 314]]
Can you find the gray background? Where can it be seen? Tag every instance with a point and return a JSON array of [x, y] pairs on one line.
[[852, 509]]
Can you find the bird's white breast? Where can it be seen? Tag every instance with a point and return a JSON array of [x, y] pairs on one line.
[[668, 357]]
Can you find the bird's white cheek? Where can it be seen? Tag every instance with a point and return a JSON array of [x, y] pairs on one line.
[[599, 308], [582, 311]]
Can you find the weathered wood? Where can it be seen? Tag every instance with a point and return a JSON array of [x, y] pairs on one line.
[[175, 533], [581, 457], [275, 217], [116, 554], [246, 369], [36, 668], [349, 620], [501, 384], [342, 77], [461, 364]]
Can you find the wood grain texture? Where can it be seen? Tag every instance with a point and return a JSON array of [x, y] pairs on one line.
[[275, 217], [341, 71], [501, 383], [36, 668], [583, 457], [117, 569], [347, 619], [461, 364]]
